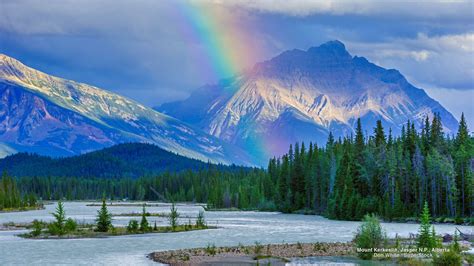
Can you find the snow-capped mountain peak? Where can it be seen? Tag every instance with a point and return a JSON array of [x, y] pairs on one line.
[[303, 95]]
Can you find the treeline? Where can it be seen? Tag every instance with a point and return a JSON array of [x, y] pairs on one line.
[[213, 184], [11, 198], [345, 179], [380, 174]]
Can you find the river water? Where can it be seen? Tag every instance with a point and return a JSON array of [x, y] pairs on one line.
[[234, 228]]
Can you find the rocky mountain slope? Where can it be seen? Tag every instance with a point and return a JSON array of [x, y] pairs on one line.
[[302, 96], [53, 116]]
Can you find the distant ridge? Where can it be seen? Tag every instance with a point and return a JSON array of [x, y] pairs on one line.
[[123, 160]]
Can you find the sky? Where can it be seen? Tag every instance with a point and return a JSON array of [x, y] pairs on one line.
[[160, 51]]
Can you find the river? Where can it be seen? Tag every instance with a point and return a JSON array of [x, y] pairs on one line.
[[234, 228]]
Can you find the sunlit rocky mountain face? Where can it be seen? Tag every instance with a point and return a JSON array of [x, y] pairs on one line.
[[53, 116], [302, 96], [296, 96]]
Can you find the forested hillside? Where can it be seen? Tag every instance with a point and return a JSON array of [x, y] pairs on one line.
[[390, 176], [122, 160]]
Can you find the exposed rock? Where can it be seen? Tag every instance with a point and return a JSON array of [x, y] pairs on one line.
[[276, 254], [302, 96]]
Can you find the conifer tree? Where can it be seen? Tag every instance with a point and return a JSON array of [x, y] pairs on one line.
[[463, 152], [283, 179], [173, 217], [58, 226], [426, 234], [144, 226], [104, 218], [358, 168], [379, 134]]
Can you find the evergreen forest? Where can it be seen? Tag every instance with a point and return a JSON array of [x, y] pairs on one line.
[[344, 179]]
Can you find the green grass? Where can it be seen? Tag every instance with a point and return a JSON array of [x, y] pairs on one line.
[[87, 231], [148, 214], [139, 214]]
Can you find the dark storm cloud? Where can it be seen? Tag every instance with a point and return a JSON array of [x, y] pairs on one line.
[[136, 49]]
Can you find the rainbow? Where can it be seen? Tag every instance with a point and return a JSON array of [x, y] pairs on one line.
[[217, 38], [224, 46]]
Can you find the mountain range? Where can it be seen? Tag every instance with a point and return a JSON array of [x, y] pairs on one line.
[[53, 116], [295, 96], [302, 96]]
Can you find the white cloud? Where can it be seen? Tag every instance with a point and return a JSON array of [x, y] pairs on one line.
[[112, 35], [459, 42], [423, 8], [442, 61], [420, 55]]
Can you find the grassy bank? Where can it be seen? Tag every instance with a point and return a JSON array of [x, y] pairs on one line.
[[148, 214], [23, 209], [63, 227], [111, 204], [88, 231]]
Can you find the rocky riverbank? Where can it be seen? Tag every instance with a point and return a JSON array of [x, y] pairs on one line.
[[275, 254]]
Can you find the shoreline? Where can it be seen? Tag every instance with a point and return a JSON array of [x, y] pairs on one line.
[[275, 254], [405, 220], [119, 231], [24, 209]]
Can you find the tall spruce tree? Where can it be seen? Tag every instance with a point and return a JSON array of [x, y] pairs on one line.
[[104, 218], [359, 170], [425, 235], [463, 154], [58, 226]]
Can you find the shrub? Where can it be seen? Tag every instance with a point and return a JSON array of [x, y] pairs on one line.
[[211, 249], [200, 222], [448, 258], [470, 221], [452, 257], [53, 229], [269, 251], [258, 248], [132, 226], [70, 225], [458, 220], [299, 245], [37, 228], [316, 246], [369, 235]]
